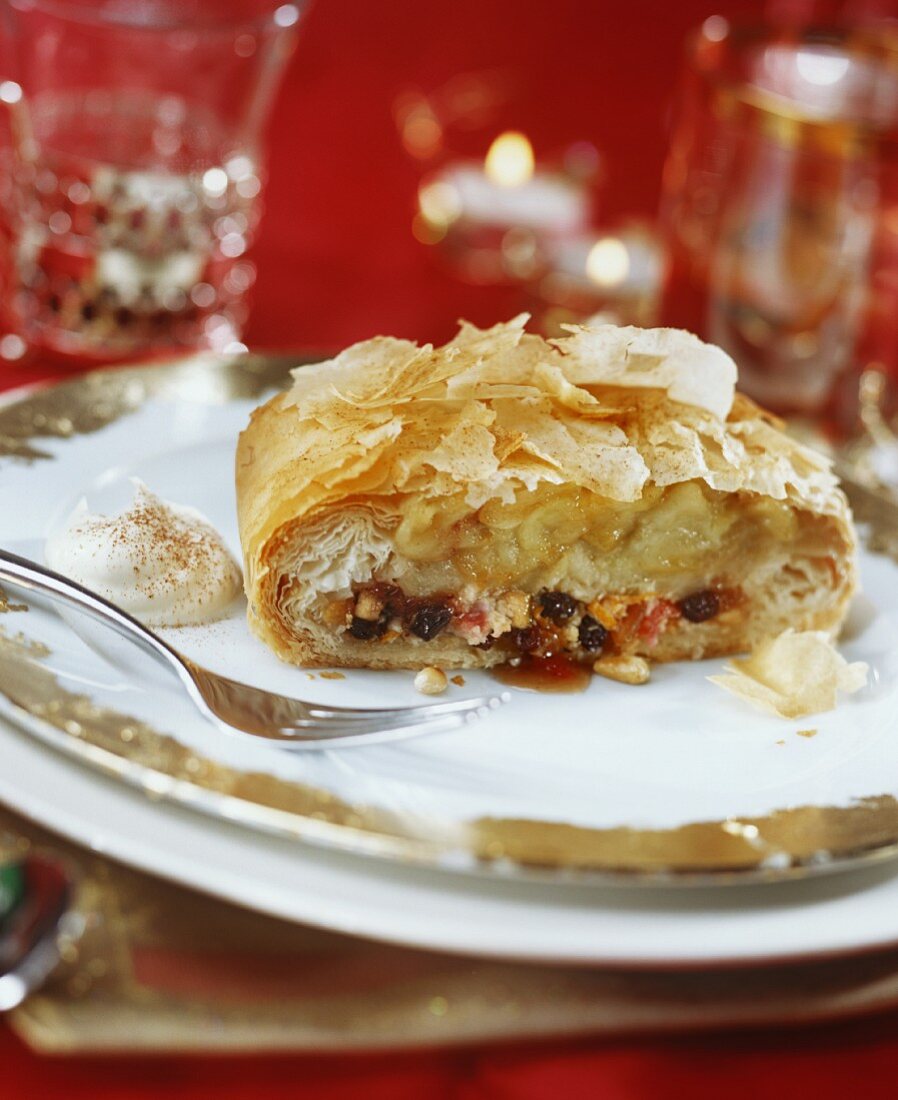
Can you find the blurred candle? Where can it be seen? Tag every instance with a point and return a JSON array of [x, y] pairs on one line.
[[506, 191], [608, 262], [509, 162], [624, 263], [614, 277]]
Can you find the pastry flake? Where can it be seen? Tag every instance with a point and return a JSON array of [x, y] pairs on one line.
[[793, 675]]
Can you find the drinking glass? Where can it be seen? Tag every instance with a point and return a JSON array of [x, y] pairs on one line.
[[131, 176], [780, 210]]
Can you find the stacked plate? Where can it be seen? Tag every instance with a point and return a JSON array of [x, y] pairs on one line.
[[664, 824]]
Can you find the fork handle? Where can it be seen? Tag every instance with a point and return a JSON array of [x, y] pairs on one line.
[[30, 575]]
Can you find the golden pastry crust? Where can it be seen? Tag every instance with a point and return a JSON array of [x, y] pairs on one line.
[[375, 462]]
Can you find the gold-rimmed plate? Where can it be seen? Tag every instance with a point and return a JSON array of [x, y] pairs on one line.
[[671, 781]]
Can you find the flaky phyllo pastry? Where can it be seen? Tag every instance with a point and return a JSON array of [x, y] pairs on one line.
[[603, 495]]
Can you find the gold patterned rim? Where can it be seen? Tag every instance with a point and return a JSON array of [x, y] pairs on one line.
[[789, 842]]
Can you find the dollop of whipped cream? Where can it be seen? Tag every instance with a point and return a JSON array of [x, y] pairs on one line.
[[164, 563]]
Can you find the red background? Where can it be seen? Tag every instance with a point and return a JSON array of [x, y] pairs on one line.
[[337, 263], [337, 260]]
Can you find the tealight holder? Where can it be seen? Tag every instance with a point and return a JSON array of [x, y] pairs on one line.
[[494, 213], [132, 173], [501, 219], [488, 207], [603, 277]]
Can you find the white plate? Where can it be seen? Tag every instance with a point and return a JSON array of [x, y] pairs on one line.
[[675, 776], [457, 913]]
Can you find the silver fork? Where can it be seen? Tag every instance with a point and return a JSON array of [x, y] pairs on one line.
[[291, 723]]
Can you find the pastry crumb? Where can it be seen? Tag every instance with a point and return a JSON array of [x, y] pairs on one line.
[[807, 733], [431, 681], [626, 670], [781, 741], [311, 675], [459, 681], [332, 676]]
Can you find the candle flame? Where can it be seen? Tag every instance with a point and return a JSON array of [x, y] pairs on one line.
[[509, 162], [608, 262]]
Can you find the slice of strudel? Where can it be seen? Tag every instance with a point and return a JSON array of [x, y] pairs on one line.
[[605, 494]]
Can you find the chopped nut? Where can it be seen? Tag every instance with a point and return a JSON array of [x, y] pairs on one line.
[[368, 606], [431, 681], [517, 605], [626, 670]]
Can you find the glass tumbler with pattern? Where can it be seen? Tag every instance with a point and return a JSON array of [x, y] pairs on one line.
[[780, 210], [132, 169]]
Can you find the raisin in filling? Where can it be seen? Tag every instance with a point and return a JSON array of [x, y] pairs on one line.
[[430, 620], [698, 607], [591, 634], [557, 606], [366, 629], [377, 606], [526, 640]]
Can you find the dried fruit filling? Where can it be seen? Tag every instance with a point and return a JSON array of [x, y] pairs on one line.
[[548, 624]]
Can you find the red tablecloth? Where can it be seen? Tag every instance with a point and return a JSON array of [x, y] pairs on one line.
[[338, 263], [826, 1063]]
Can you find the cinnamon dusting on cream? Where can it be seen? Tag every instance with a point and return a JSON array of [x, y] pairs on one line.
[[165, 563]]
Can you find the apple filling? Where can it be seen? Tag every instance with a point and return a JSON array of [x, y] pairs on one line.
[[569, 539]]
